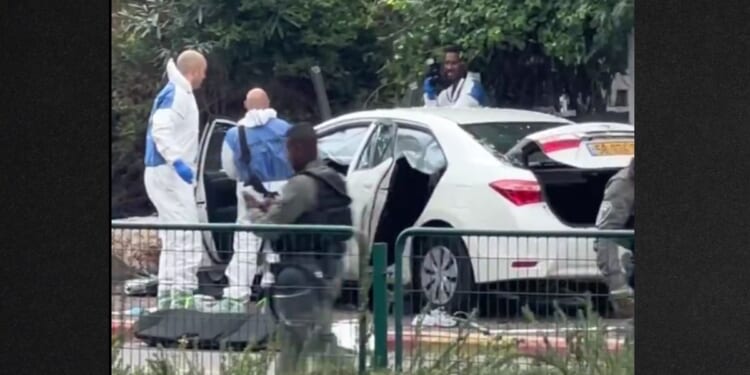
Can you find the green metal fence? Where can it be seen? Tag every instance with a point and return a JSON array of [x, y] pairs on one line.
[[553, 265], [489, 274], [131, 242]]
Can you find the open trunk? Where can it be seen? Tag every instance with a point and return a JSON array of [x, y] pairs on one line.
[[574, 195], [573, 164]]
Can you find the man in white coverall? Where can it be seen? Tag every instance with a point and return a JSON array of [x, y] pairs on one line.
[[463, 90], [169, 176], [265, 168]]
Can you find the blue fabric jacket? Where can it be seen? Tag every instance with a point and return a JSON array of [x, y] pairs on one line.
[[267, 145]]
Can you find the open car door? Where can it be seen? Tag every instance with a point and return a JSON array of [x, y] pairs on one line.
[[368, 177], [216, 193]]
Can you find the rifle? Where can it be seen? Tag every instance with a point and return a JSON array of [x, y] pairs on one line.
[[245, 157]]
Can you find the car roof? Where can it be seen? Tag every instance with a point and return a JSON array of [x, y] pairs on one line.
[[461, 116], [611, 123], [464, 116]]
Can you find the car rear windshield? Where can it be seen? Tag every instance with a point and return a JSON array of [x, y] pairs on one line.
[[502, 136]]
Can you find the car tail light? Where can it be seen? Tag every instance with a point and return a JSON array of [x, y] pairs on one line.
[[520, 192], [559, 143]]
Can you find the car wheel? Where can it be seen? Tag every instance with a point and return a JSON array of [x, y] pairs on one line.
[[442, 274]]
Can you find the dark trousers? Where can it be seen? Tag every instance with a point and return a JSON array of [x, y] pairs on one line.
[[310, 340]]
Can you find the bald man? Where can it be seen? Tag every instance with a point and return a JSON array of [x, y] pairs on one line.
[[260, 168], [169, 176]]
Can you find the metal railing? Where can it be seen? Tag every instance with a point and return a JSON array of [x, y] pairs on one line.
[[536, 287], [138, 318], [513, 287]]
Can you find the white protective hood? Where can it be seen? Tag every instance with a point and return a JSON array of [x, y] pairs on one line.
[[176, 77], [256, 117]]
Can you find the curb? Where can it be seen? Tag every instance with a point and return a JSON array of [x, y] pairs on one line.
[[122, 328], [530, 344]]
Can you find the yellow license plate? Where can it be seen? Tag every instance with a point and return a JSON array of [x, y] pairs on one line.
[[611, 148]]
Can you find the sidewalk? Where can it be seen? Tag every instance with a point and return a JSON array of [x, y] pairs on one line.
[[527, 341], [122, 327]]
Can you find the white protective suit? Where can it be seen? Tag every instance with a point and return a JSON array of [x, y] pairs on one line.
[[244, 264], [173, 136], [467, 92]]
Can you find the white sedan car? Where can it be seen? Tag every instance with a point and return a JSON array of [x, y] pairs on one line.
[[479, 169]]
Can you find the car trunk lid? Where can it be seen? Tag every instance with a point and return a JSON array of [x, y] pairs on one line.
[[587, 146], [573, 164]]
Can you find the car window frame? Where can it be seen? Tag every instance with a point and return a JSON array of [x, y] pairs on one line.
[[401, 124], [211, 134], [331, 129], [421, 127], [364, 147]]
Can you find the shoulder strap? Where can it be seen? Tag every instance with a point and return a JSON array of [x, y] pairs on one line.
[[246, 158], [456, 90]]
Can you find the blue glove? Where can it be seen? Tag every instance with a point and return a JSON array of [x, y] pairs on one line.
[[429, 88], [185, 173]]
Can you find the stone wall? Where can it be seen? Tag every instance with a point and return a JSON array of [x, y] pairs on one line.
[[137, 249]]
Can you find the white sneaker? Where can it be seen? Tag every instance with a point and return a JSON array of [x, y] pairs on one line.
[[435, 318]]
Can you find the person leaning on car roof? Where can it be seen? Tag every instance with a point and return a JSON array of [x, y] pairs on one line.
[[617, 211], [463, 90]]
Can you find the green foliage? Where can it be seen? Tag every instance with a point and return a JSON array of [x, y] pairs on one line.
[[248, 43], [260, 42], [496, 34], [528, 52]]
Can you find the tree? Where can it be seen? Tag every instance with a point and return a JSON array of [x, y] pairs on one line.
[[266, 42], [271, 43], [528, 51]]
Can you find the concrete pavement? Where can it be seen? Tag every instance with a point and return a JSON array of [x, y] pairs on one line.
[[529, 338]]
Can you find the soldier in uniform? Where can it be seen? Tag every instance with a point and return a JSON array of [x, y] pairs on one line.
[[309, 269], [617, 211]]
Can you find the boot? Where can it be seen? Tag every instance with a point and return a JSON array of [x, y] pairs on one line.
[[624, 308], [623, 303]]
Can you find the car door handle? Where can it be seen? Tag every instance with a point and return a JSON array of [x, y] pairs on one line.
[[369, 186]]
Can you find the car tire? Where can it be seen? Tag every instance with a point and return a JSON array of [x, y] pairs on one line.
[[455, 291]]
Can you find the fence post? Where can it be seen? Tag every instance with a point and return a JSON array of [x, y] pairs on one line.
[[398, 302], [365, 283], [380, 306]]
